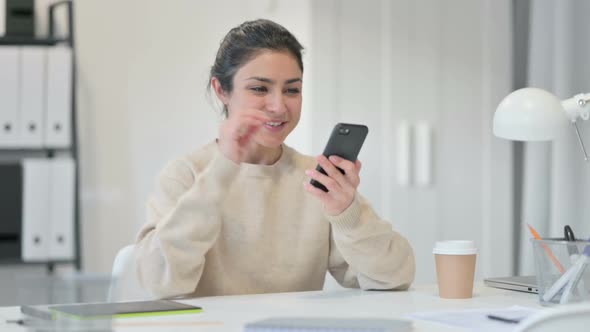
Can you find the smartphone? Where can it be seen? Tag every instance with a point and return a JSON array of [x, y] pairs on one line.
[[345, 142]]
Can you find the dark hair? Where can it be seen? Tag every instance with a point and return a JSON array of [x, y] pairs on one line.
[[243, 42]]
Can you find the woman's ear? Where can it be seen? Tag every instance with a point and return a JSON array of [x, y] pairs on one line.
[[222, 95]]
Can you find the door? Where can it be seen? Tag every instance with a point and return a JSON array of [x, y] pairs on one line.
[[425, 77]]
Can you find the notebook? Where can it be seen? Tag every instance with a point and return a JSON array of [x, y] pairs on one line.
[[114, 309], [520, 283], [306, 324]]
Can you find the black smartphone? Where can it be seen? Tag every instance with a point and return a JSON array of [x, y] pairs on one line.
[[345, 142]]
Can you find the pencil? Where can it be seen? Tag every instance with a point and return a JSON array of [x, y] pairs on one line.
[[547, 250]]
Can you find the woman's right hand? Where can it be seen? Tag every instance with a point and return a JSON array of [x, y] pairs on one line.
[[236, 133]]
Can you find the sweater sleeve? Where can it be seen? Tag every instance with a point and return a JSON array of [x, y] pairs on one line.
[[183, 224], [365, 252]]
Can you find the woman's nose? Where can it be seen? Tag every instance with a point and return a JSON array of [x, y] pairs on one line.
[[275, 104]]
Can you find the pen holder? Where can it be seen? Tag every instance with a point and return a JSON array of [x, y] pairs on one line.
[[562, 271]]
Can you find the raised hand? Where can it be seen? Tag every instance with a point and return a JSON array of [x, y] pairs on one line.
[[236, 133]]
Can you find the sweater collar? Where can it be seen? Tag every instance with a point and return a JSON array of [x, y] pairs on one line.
[[268, 170], [257, 170]]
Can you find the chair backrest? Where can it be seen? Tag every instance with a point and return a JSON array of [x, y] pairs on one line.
[[126, 284], [573, 317]]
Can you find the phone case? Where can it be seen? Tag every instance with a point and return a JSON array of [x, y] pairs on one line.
[[345, 141]]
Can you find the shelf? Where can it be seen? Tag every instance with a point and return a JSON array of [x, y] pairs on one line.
[[10, 245], [28, 41], [21, 150], [16, 261]]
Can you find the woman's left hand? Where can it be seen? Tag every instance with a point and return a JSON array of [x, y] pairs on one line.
[[342, 187]]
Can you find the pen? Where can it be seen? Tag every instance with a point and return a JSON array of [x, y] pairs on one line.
[[576, 276], [568, 233], [562, 281], [504, 319], [547, 250]]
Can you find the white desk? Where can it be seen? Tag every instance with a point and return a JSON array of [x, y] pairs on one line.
[[230, 313]]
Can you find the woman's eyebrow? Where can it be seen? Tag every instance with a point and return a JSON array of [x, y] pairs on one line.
[[268, 80]]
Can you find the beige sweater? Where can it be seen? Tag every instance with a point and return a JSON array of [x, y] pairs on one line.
[[218, 228]]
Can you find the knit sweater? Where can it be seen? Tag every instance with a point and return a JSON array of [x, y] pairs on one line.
[[218, 228]]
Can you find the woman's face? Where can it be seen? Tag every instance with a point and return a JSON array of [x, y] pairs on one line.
[[270, 82]]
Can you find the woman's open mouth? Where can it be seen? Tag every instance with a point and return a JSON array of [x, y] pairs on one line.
[[275, 126]]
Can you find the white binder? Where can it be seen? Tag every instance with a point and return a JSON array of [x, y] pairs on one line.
[[61, 209], [59, 97], [31, 96], [2, 17], [9, 82], [35, 222]]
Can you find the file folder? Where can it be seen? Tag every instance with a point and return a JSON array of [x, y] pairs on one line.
[[61, 209], [35, 221], [2, 17], [9, 82], [59, 97], [31, 96]]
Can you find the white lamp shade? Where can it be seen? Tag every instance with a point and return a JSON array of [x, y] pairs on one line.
[[529, 114]]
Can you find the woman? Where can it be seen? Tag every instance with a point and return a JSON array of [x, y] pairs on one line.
[[238, 216]]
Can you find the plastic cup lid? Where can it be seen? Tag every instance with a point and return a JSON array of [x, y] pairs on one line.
[[455, 248]]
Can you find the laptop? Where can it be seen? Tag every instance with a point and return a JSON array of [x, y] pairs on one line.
[[526, 284]]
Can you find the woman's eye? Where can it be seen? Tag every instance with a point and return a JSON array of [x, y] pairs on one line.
[[293, 91], [258, 89]]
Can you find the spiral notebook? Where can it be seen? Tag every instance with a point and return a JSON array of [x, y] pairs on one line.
[[307, 324]]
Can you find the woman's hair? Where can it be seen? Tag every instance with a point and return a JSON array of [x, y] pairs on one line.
[[244, 42]]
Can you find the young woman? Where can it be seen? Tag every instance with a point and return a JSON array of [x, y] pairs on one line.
[[238, 216]]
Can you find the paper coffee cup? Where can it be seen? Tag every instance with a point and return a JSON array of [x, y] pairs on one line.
[[455, 268]]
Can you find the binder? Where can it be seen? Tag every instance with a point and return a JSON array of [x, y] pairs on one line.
[[2, 17], [59, 97], [35, 221], [31, 96], [9, 78], [61, 209]]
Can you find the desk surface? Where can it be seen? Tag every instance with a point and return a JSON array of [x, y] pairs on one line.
[[230, 313]]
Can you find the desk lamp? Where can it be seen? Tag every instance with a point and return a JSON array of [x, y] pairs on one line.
[[532, 114]]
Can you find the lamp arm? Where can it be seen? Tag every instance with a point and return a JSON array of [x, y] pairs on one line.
[[577, 107]]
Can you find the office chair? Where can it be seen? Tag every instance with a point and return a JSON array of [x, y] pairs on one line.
[[125, 286], [573, 317]]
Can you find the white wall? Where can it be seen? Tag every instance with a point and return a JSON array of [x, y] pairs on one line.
[[142, 75], [143, 69], [556, 177]]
